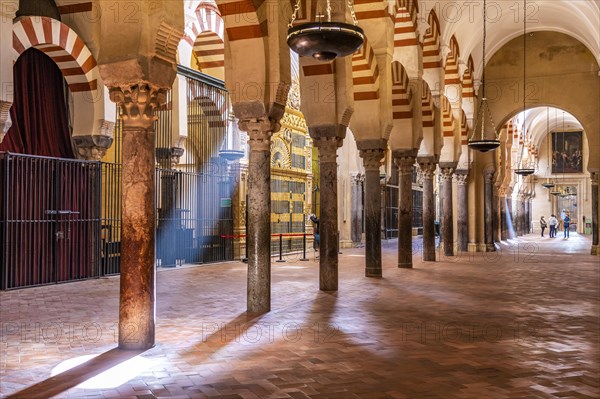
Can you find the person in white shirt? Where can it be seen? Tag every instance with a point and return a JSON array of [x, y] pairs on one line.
[[552, 222]]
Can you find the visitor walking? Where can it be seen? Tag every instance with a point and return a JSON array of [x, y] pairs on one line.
[[543, 225], [552, 222], [566, 223], [316, 237]]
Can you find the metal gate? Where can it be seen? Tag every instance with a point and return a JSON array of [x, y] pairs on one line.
[[195, 220], [49, 220]]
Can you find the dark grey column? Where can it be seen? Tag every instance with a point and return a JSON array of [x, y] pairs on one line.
[[405, 160], [327, 139], [372, 153], [428, 165], [463, 210], [488, 177], [356, 208], [137, 302], [259, 212], [595, 199], [447, 172], [496, 215]]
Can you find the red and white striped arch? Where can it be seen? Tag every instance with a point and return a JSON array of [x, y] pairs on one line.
[[405, 23], [468, 89], [365, 74], [427, 106], [371, 9], [206, 36], [242, 20], [63, 45], [447, 117], [464, 128], [214, 104], [432, 57], [452, 75], [401, 96]]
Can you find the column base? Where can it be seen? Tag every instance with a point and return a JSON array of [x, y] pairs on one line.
[[376, 273], [405, 265], [472, 247], [595, 250]]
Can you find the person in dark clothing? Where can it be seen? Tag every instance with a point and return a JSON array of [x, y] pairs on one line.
[[315, 220]]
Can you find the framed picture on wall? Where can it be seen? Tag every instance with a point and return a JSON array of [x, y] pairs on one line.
[[567, 152]]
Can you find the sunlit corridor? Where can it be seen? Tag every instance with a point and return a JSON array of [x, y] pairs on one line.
[[520, 322]]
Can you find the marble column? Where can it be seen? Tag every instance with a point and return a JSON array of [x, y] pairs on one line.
[[372, 156], [504, 234], [356, 208], [327, 139], [405, 160], [495, 215], [463, 210], [447, 214], [428, 165], [595, 177], [488, 176], [259, 131], [137, 304]]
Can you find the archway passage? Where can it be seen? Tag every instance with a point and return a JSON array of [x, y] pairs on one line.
[[39, 112]]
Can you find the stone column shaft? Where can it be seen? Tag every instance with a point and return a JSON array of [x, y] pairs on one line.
[[488, 210], [259, 214], [463, 211], [428, 170], [405, 164], [595, 227], [504, 235], [328, 223], [372, 161], [137, 303], [447, 214]]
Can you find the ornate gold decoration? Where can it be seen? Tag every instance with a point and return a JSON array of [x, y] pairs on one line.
[[280, 154]]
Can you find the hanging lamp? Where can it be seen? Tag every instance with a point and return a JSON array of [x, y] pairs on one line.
[[548, 183], [524, 170], [483, 142], [325, 41]]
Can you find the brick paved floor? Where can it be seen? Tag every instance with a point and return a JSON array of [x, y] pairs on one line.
[[520, 323]]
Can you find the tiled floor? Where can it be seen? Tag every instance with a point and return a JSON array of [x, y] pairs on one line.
[[520, 323]]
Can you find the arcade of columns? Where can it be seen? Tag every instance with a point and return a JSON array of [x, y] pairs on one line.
[[405, 97]]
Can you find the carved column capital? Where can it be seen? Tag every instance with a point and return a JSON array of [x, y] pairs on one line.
[[372, 158], [327, 148], [446, 174], [489, 175], [138, 103], [5, 121], [461, 177], [259, 132], [595, 178], [357, 179], [427, 168], [93, 147]]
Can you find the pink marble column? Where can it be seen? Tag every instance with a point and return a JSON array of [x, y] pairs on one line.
[[448, 217], [137, 304], [372, 152], [259, 213], [428, 166], [327, 139], [405, 160]]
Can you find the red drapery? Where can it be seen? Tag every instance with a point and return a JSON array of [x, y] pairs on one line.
[[39, 112]]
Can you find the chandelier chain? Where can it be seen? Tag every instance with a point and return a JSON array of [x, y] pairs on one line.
[[294, 14], [328, 10], [352, 12]]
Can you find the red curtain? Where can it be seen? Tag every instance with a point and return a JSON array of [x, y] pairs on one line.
[[39, 112]]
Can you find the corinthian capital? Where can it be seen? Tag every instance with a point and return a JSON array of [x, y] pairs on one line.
[[138, 103], [461, 177], [259, 132], [427, 165]]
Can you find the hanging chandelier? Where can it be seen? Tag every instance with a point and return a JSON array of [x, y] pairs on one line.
[[524, 170], [479, 140], [548, 183], [325, 40]]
